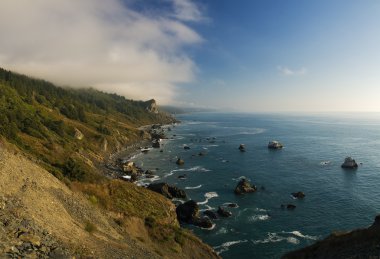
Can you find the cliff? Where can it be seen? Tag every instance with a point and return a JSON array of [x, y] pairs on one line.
[[56, 200], [360, 243]]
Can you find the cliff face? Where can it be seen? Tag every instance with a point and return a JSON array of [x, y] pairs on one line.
[[361, 243], [42, 217]]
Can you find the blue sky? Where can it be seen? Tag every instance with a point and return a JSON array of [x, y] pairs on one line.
[[244, 55], [290, 56]]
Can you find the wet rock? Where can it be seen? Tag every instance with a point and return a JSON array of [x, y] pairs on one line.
[[182, 176], [349, 163], [167, 190], [291, 206], [187, 212], [211, 214], [298, 195], [186, 147], [203, 222], [244, 187], [275, 145], [223, 212], [242, 147], [180, 161], [232, 205]]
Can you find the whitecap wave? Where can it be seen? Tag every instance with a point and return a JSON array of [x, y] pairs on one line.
[[194, 187], [208, 196], [299, 234], [146, 181], [255, 218], [192, 169], [325, 162], [222, 230], [212, 227], [225, 246], [290, 237]]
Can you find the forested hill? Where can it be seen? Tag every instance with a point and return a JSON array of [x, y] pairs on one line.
[[67, 130]]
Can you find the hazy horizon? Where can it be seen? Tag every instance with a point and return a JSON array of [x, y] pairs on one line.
[[248, 56]]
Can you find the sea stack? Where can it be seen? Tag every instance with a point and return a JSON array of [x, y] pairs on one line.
[[242, 147], [274, 144], [244, 187], [350, 163]]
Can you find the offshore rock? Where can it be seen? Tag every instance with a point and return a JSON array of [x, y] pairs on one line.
[[244, 187]]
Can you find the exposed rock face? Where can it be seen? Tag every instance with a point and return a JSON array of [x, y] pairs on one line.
[[167, 190], [78, 134], [244, 187], [350, 163], [151, 106], [361, 243], [203, 222], [187, 212], [298, 195]]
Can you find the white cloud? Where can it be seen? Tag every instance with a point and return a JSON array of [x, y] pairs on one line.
[[186, 10], [104, 44], [291, 72]]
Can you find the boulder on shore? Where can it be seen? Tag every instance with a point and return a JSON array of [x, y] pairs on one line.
[[244, 187], [167, 190], [350, 163], [298, 195]]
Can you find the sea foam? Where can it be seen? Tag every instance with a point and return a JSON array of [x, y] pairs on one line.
[[208, 195], [225, 246]]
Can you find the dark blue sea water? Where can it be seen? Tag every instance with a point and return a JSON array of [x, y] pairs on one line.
[[315, 147]]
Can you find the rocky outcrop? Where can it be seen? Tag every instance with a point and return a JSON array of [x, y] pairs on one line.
[[223, 212], [211, 214], [274, 144], [349, 163], [242, 147], [244, 187], [188, 212], [78, 134], [180, 161], [151, 106], [167, 190], [360, 243]]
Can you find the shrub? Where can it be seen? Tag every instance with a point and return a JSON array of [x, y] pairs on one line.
[[90, 227]]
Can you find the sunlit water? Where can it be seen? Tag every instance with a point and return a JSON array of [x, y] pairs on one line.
[[315, 147]]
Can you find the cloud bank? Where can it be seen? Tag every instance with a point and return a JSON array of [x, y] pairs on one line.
[[104, 44]]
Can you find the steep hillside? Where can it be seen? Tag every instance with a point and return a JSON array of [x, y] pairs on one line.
[[360, 243], [55, 200], [68, 131], [41, 217]]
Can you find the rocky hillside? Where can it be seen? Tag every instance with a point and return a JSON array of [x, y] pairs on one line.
[[361, 243], [56, 200], [69, 131], [41, 217]]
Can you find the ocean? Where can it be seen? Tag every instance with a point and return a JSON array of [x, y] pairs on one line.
[[314, 149]]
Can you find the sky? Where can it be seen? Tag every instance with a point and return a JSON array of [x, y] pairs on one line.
[[242, 55]]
